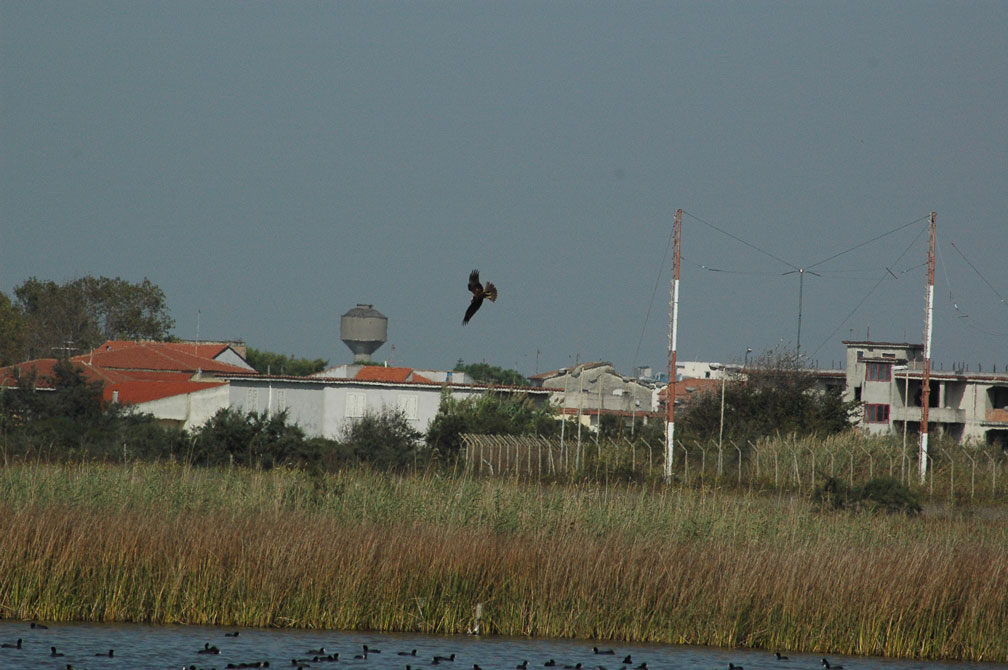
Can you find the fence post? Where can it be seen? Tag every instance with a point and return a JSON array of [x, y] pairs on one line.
[[776, 468], [739, 450], [972, 473], [685, 465], [871, 461], [993, 477], [933, 458], [552, 464], [703, 463], [794, 456], [812, 471]]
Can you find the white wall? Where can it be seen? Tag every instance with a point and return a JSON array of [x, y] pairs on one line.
[[188, 409]]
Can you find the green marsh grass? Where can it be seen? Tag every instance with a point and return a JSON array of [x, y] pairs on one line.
[[165, 543]]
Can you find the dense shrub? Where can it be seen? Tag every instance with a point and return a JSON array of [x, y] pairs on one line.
[[68, 420], [489, 413], [776, 396], [883, 494], [384, 439], [253, 439]]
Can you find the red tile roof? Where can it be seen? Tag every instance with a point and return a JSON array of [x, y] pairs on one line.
[[132, 392], [176, 356], [140, 371], [380, 373]]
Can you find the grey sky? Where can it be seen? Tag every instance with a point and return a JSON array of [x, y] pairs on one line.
[[269, 165]]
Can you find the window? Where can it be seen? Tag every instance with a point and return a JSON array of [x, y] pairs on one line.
[[876, 413], [407, 404], [356, 403], [878, 372]]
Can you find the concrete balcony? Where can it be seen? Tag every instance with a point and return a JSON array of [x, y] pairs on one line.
[[935, 414]]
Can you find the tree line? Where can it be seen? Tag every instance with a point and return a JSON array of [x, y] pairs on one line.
[[50, 320]]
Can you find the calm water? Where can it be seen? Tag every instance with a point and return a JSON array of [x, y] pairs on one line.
[[175, 647]]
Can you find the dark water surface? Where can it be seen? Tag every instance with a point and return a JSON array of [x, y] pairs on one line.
[[174, 647]]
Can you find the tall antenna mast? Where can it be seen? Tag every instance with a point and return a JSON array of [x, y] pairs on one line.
[[673, 327], [926, 377]]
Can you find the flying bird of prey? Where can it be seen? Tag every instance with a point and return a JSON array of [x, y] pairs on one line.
[[479, 292]]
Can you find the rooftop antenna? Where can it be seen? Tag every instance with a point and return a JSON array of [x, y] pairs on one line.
[[801, 289], [926, 378]]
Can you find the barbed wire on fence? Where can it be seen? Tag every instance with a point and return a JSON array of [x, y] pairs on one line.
[[789, 463]]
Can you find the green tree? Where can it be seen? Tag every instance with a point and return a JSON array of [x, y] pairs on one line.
[[384, 439], [278, 364], [59, 319], [489, 413], [253, 439], [122, 310], [56, 319], [491, 374], [776, 396], [12, 332]]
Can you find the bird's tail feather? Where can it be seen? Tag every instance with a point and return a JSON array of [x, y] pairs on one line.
[[490, 291]]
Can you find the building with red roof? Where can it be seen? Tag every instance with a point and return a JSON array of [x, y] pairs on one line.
[[140, 371]]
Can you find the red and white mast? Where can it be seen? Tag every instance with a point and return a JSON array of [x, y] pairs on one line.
[[926, 377], [673, 327]]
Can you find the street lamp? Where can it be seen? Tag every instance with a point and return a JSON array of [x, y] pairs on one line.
[[725, 369], [724, 378], [906, 408]]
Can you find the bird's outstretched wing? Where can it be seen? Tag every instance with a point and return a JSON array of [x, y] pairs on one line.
[[474, 283], [473, 306]]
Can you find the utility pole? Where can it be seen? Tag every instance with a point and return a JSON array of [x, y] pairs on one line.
[[801, 290], [926, 377], [673, 326]]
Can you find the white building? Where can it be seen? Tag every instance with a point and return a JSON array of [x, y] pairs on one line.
[[590, 391], [887, 377], [322, 406]]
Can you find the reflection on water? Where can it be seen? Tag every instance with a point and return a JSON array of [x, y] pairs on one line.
[[86, 646]]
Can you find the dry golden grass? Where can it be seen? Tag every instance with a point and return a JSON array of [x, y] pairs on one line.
[[358, 550]]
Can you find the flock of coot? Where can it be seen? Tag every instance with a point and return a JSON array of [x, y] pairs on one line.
[[321, 657]]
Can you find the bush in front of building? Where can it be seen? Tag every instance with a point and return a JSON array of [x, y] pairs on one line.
[[385, 440], [489, 413], [61, 416], [254, 439], [776, 396]]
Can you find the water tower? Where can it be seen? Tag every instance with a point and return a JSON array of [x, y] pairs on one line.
[[363, 329]]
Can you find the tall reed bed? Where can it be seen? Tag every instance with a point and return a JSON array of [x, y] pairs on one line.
[[361, 550]]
